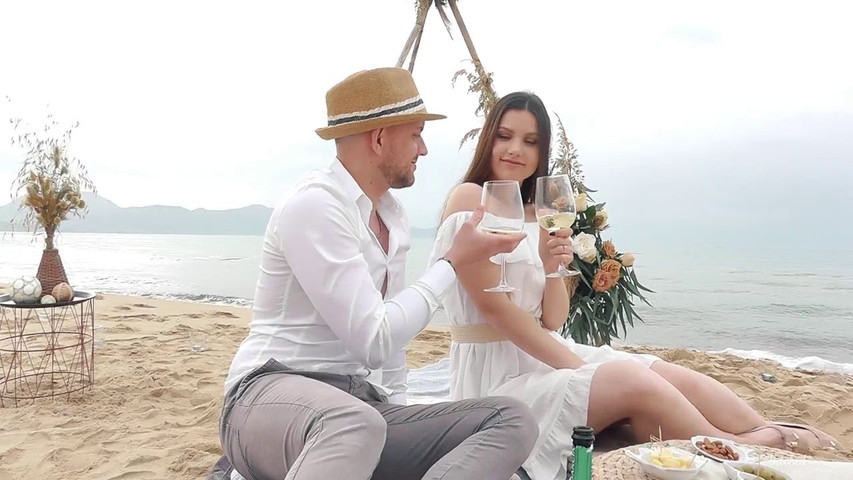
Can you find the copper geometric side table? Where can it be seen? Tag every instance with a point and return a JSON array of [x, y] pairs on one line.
[[46, 351]]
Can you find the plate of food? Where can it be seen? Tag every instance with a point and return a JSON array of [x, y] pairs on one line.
[[720, 449], [667, 463], [753, 471]]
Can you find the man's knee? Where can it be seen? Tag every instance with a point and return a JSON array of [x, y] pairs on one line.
[[516, 422], [517, 414], [361, 424], [375, 427]]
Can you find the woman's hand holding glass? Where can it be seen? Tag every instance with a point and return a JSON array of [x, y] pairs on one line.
[[555, 249], [556, 211]]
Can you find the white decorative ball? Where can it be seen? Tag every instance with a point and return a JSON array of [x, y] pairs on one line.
[[48, 299], [26, 290]]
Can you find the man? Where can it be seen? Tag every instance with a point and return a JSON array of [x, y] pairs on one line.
[[317, 388]]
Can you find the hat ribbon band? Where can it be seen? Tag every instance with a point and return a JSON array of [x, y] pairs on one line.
[[387, 112]]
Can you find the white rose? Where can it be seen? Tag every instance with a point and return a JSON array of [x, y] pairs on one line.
[[580, 202], [584, 246], [627, 259]]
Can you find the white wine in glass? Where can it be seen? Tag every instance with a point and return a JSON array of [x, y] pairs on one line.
[[552, 222], [556, 210], [503, 214]]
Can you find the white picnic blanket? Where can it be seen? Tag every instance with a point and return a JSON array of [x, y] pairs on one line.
[[430, 384]]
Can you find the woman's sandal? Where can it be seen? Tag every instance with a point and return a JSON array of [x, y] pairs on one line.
[[790, 440], [794, 442], [824, 440]]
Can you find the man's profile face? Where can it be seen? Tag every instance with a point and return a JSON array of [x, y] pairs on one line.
[[403, 145]]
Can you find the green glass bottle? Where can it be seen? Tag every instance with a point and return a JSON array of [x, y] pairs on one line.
[[582, 440]]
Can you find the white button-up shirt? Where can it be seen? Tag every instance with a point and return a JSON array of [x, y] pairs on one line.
[[318, 303]]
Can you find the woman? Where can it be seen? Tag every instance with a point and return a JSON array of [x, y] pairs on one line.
[[506, 344]]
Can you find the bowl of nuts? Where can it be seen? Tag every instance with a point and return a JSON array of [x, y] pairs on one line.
[[721, 450]]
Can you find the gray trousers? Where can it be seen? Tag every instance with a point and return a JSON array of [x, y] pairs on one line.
[[280, 424]]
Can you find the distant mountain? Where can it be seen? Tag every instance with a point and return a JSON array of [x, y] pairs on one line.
[[106, 217]]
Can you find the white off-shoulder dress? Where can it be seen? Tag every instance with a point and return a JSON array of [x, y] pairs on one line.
[[558, 398]]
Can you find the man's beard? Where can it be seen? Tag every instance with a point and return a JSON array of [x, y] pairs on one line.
[[402, 181], [401, 178]]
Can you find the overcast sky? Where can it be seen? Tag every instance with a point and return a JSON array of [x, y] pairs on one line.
[[718, 117]]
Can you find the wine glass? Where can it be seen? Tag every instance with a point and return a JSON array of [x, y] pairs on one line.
[[555, 210], [503, 213]]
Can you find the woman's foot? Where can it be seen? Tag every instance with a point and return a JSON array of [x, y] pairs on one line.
[[775, 436], [788, 436], [823, 439]]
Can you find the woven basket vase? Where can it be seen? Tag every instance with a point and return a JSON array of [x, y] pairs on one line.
[[51, 272]]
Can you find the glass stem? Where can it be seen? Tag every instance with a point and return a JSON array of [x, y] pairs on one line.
[[503, 270]]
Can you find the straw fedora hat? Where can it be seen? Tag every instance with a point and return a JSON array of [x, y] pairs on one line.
[[373, 99]]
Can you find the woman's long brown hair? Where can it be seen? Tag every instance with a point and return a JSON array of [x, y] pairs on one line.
[[481, 166]]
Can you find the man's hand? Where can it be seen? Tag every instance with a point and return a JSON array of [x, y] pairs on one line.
[[472, 245]]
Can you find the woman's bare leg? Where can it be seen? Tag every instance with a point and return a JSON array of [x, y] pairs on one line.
[[628, 389], [727, 411], [716, 402]]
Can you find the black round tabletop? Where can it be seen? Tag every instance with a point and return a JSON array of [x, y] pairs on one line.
[[79, 297]]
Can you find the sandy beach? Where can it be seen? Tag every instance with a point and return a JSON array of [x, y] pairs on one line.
[[154, 408]]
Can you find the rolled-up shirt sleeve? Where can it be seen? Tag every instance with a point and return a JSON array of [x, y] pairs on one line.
[[320, 241]]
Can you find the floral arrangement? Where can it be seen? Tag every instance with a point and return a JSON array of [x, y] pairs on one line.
[[606, 291], [604, 295], [52, 184]]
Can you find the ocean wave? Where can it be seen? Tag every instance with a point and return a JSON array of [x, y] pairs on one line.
[[838, 289], [653, 278], [202, 298], [787, 280], [183, 297], [796, 363], [208, 259], [770, 283], [785, 274], [708, 291], [807, 309], [806, 274]]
